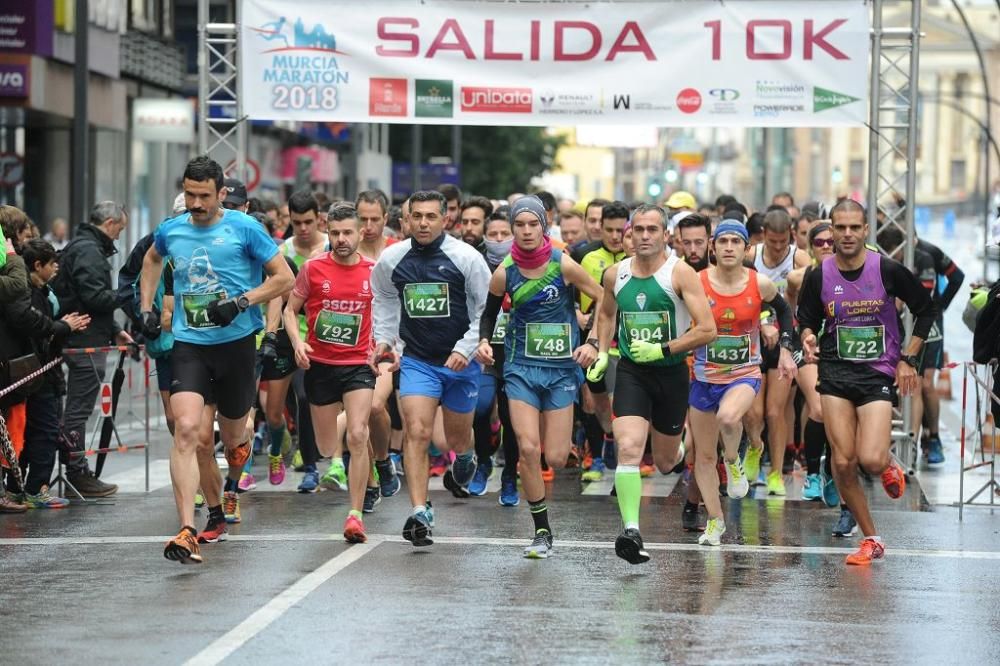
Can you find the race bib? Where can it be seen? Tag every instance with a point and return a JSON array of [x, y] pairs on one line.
[[647, 326], [860, 343], [424, 300], [729, 350], [547, 341], [337, 328], [195, 308], [500, 330]]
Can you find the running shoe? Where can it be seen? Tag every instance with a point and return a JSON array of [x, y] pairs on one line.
[[298, 464], [388, 482], [429, 510], [275, 470], [935, 451], [417, 529], [714, 530], [776, 484], [596, 471], [508, 494], [846, 526], [646, 466], [477, 486], [199, 500], [439, 465], [231, 507], [587, 461], [540, 547], [183, 548], [751, 463], [610, 453], [831, 496], [354, 530], [214, 532], [397, 463], [310, 481], [9, 504], [463, 469], [894, 480], [44, 500], [813, 488], [548, 475], [372, 499], [237, 457], [453, 486], [335, 477], [247, 482], [629, 547], [870, 550], [691, 518], [258, 439], [737, 486]]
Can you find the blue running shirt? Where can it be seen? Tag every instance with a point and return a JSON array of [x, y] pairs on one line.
[[223, 260]]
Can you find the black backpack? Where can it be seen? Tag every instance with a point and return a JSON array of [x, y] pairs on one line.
[[986, 337]]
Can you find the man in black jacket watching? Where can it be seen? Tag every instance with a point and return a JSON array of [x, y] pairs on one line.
[[83, 285]]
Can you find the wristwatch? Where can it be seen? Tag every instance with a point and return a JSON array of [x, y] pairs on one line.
[[911, 361], [243, 302], [593, 342]]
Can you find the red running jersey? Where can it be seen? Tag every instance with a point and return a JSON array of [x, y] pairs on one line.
[[338, 304]]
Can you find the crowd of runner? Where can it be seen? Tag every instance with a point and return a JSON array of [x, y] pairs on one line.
[[451, 336]]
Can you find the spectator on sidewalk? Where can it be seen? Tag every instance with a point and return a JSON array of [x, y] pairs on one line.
[[58, 234], [83, 285]]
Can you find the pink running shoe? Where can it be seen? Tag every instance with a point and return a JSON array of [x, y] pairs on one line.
[[275, 470]]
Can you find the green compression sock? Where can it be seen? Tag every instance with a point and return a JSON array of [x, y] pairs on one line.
[[628, 485]]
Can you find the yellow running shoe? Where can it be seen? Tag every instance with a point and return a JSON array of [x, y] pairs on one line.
[[751, 464], [775, 484], [231, 507]]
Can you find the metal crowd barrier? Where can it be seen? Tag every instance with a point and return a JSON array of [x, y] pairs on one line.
[[984, 431], [125, 391]]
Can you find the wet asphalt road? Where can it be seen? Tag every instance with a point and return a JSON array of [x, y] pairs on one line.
[[90, 583]]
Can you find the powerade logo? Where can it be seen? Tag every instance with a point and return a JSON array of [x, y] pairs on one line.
[[304, 73], [824, 99], [775, 110], [496, 100], [780, 90]]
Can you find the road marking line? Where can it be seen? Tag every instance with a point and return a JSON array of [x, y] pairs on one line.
[[239, 635], [501, 541]]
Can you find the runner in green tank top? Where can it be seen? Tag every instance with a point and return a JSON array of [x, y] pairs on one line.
[[664, 314]]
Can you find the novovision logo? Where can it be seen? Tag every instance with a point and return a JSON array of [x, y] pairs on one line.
[[824, 99]]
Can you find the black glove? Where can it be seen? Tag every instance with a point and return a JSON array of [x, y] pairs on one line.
[[269, 347], [149, 324], [223, 312]]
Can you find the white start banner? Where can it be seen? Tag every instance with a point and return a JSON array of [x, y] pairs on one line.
[[789, 63]]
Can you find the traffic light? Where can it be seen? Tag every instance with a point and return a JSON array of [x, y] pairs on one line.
[[654, 189]]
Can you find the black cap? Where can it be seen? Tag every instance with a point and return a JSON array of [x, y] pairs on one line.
[[237, 192]]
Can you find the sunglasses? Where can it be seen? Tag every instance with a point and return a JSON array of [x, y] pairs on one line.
[[822, 242]]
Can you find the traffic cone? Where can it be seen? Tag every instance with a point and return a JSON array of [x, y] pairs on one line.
[[990, 443], [943, 386]]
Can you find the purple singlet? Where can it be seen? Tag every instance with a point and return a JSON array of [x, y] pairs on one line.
[[861, 316]]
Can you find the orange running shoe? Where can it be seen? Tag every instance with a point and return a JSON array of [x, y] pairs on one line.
[[894, 480], [588, 460], [354, 530], [548, 475], [870, 550], [184, 548], [238, 457]]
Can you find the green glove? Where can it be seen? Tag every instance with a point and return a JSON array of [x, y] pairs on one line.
[[596, 372], [979, 298], [645, 352]]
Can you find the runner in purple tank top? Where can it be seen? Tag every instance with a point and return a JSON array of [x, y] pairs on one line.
[[861, 360]]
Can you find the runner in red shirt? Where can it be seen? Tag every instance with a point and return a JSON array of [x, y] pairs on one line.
[[336, 291]]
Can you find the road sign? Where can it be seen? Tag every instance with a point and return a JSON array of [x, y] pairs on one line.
[[11, 169], [105, 399], [253, 173]]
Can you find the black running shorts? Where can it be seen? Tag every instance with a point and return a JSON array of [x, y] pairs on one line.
[[656, 393], [224, 372], [854, 382], [327, 384]]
